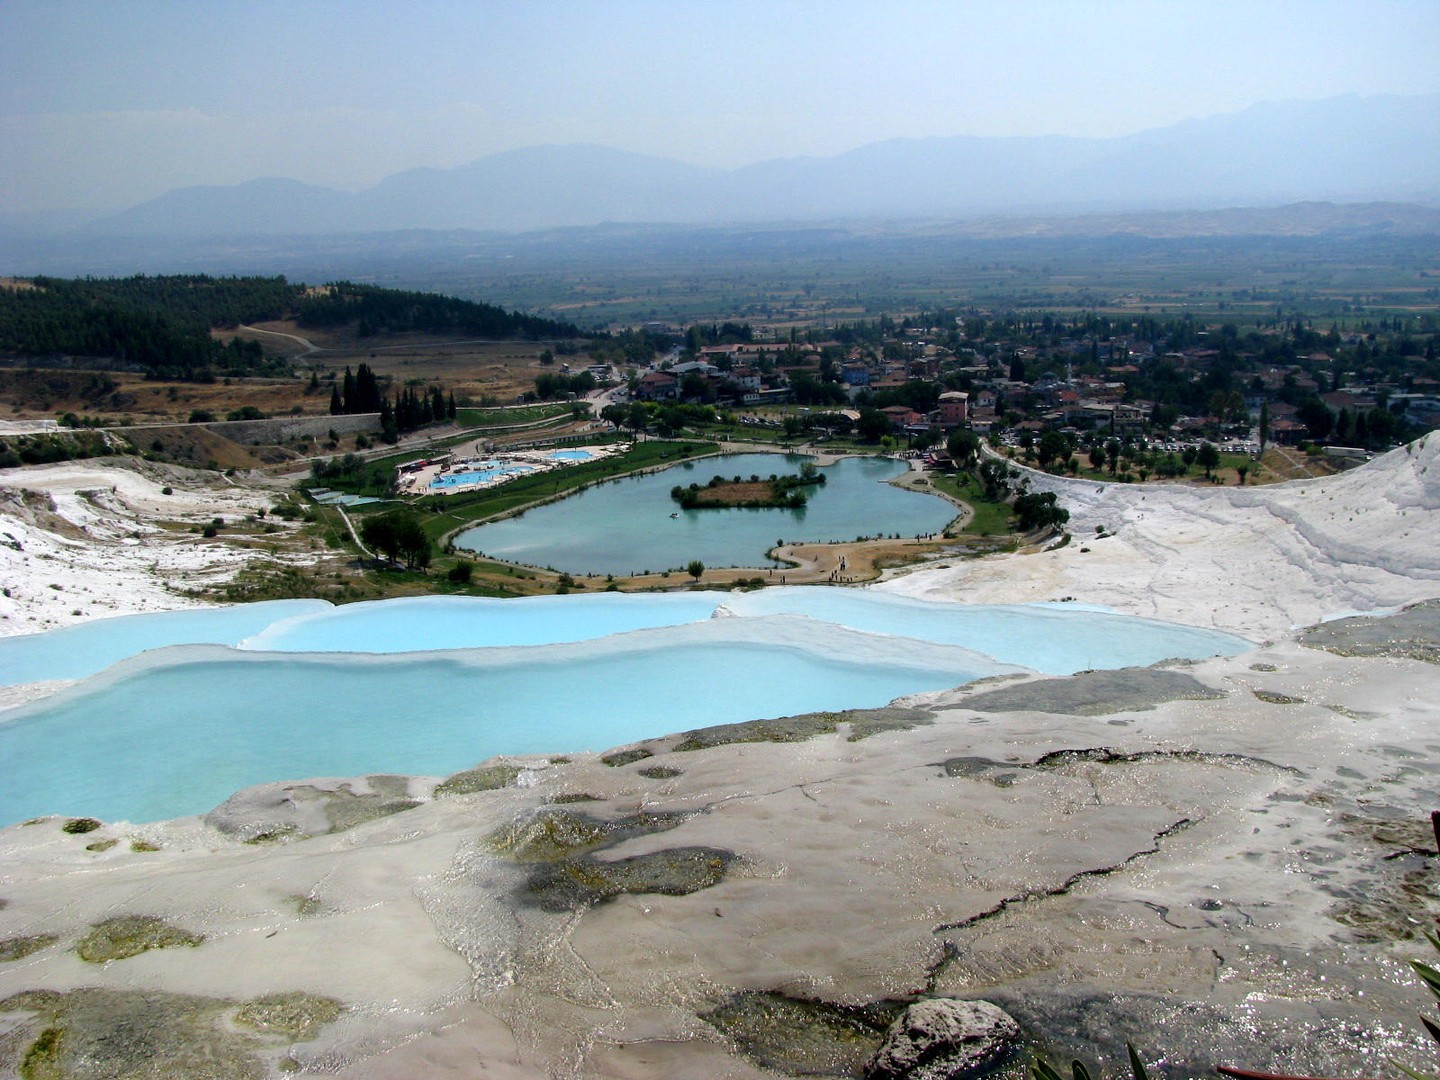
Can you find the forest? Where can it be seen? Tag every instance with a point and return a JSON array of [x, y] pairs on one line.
[[162, 325], [376, 310]]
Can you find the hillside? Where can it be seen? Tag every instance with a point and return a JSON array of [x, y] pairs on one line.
[[163, 325], [1257, 561], [1269, 154]]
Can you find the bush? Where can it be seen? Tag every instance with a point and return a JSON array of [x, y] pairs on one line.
[[461, 572]]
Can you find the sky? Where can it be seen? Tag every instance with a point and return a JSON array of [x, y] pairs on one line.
[[107, 103]]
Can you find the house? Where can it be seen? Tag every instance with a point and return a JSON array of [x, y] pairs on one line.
[[954, 408], [745, 377], [902, 417], [657, 386]]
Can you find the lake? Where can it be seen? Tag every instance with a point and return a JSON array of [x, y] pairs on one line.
[[631, 526]]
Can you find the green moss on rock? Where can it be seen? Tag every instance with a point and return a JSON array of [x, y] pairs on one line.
[[296, 1016], [1270, 697], [582, 881], [788, 729], [627, 757], [105, 1034], [16, 947], [485, 778], [130, 935], [75, 826], [800, 1036]]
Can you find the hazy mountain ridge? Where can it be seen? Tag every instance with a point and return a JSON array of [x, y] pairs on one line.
[[1382, 148]]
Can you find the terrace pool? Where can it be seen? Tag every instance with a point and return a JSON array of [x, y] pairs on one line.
[[432, 685]]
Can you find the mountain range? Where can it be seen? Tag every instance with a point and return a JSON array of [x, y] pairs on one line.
[[1342, 149]]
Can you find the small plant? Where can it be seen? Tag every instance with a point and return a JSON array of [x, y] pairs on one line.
[[1431, 978], [1043, 1070], [78, 825]]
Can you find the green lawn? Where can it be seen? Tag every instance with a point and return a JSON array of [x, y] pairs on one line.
[[512, 415], [989, 519]]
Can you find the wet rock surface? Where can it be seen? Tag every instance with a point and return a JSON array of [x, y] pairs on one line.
[[291, 811], [862, 723], [1412, 633], [1094, 693]]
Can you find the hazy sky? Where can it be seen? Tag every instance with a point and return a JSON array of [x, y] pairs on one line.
[[105, 103]]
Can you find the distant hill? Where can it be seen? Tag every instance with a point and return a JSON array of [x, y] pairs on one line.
[[1346, 149], [162, 325]]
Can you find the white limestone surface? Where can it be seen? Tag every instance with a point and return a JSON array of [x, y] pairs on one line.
[[1233, 875]]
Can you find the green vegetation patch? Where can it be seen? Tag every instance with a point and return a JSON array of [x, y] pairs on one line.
[[295, 1016], [627, 757], [17, 947], [1270, 697], [800, 1036], [863, 723], [485, 778], [101, 1034], [564, 872], [76, 826], [550, 834], [345, 809], [567, 884], [130, 935], [659, 772]]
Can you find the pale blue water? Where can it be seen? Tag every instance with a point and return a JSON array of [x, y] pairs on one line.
[[76, 652], [176, 730], [628, 526], [481, 473]]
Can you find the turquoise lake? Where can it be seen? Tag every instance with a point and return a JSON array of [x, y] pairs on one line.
[[631, 526]]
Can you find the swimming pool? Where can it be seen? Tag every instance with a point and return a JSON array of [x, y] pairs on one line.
[[431, 685], [485, 472]]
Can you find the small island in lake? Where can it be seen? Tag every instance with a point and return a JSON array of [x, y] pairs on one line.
[[784, 492]]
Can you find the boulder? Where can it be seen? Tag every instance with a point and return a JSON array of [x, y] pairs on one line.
[[943, 1038]]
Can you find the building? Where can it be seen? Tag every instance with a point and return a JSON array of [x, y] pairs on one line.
[[954, 408]]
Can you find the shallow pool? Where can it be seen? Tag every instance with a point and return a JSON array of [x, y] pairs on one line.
[[436, 684]]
